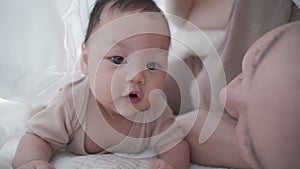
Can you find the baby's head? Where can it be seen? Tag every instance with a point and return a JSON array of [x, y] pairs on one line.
[[265, 100], [124, 55], [103, 6]]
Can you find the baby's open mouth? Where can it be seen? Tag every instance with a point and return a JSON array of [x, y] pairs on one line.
[[133, 97]]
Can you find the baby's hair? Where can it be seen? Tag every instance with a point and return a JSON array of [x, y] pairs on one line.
[[123, 5]]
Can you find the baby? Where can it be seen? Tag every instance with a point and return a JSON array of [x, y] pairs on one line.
[[118, 106]]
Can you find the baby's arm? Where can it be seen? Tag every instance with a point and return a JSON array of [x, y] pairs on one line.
[[176, 158], [168, 141], [32, 151]]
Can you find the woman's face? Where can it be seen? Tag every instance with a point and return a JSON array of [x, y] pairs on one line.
[[265, 100]]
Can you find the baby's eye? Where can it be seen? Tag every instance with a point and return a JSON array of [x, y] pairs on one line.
[[118, 60], [152, 65]]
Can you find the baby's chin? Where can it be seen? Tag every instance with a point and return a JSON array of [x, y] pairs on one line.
[[131, 110]]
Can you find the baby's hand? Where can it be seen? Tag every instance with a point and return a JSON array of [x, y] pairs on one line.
[[161, 164], [37, 164]]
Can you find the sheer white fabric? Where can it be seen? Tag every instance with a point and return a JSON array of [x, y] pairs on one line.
[[297, 2], [39, 46]]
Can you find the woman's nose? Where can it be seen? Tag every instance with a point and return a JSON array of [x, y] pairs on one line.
[[137, 77], [229, 101], [232, 97]]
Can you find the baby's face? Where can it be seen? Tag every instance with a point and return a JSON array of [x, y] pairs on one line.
[[265, 100], [126, 60]]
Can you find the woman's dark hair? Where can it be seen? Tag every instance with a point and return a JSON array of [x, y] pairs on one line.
[[123, 5]]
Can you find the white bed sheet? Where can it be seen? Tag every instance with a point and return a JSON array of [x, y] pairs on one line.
[[105, 161]]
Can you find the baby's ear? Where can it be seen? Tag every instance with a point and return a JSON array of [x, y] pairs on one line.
[[84, 60]]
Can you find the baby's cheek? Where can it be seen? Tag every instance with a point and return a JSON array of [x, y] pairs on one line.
[[102, 87], [158, 83]]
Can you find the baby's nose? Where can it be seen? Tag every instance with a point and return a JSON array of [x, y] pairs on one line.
[[137, 77]]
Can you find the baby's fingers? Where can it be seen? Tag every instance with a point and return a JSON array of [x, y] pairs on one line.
[[37, 165], [45, 167], [160, 164]]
